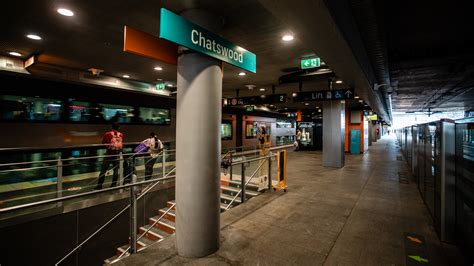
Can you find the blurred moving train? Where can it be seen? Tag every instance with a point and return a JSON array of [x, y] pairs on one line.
[[37, 112]]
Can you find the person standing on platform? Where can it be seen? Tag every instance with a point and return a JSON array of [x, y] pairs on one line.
[[155, 146], [113, 141], [298, 139]]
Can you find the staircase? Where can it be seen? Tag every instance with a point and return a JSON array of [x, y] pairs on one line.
[[166, 226]]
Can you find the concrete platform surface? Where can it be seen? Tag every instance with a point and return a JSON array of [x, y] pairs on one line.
[[357, 215]]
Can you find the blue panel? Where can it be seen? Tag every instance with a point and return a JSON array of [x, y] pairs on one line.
[[355, 141]]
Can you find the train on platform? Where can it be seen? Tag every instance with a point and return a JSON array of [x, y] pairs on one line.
[[42, 113]]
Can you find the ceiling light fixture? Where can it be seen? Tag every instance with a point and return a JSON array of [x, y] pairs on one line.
[[33, 37], [65, 12], [15, 53], [169, 85], [126, 76], [338, 81], [356, 97], [294, 94], [242, 74], [262, 89], [287, 38], [306, 104], [158, 68], [361, 101]]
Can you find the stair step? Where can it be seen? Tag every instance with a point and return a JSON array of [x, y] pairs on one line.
[[144, 242], [171, 215], [233, 191], [121, 250], [170, 203], [164, 224], [236, 183], [110, 260], [154, 234], [226, 199]]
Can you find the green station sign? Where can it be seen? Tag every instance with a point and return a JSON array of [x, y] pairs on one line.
[[176, 29], [310, 62]]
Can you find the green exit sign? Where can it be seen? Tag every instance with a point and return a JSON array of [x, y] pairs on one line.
[[310, 62], [160, 86]]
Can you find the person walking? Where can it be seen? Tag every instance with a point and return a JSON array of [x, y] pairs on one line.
[[154, 146], [113, 141]]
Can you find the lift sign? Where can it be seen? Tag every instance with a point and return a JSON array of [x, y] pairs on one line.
[[176, 29]]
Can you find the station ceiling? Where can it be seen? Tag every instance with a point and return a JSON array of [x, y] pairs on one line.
[[426, 62]]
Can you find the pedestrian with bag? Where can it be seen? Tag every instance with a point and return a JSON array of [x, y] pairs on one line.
[[113, 141], [152, 146]]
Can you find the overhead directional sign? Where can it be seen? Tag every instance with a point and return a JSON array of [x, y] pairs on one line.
[[325, 95], [176, 29], [310, 62], [256, 100]]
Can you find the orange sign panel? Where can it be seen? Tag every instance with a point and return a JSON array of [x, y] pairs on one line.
[[144, 44]]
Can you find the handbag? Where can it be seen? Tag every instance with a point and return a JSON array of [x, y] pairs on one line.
[[141, 148]]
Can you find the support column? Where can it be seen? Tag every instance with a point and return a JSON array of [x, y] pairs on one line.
[[333, 133], [198, 148]]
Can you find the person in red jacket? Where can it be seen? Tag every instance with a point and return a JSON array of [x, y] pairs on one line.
[[113, 141]]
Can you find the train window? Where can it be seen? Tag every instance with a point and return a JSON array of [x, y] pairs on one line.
[[285, 124], [30, 108], [155, 116], [117, 113], [251, 129], [226, 130], [83, 112]]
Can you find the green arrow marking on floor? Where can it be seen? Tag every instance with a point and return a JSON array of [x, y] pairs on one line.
[[418, 258]]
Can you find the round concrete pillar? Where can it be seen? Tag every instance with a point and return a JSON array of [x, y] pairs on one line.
[[198, 146]]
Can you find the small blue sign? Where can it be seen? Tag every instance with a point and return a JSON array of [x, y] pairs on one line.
[[176, 29]]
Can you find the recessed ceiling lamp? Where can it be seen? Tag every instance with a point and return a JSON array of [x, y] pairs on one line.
[[338, 81], [158, 68], [33, 37], [262, 89], [294, 94], [15, 53], [126, 76], [356, 97], [306, 104], [242, 74], [169, 85], [65, 12], [361, 101], [287, 38]]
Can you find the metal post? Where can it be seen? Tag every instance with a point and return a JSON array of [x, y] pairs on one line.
[[230, 170], [242, 184], [120, 169], [59, 181], [133, 220], [270, 172], [163, 162]]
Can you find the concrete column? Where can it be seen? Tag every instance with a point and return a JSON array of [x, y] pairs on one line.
[[333, 133], [198, 145]]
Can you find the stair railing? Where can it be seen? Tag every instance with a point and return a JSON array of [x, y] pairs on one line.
[[146, 232], [244, 183], [133, 214]]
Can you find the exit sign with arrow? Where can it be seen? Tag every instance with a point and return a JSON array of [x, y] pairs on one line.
[[310, 63]]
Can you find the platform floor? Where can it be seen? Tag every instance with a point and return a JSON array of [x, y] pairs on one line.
[[357, 215]]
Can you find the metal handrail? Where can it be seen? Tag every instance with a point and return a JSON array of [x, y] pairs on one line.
[[60, 199], [148, 230], [251, 177], [113, 218], [66, 147]]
